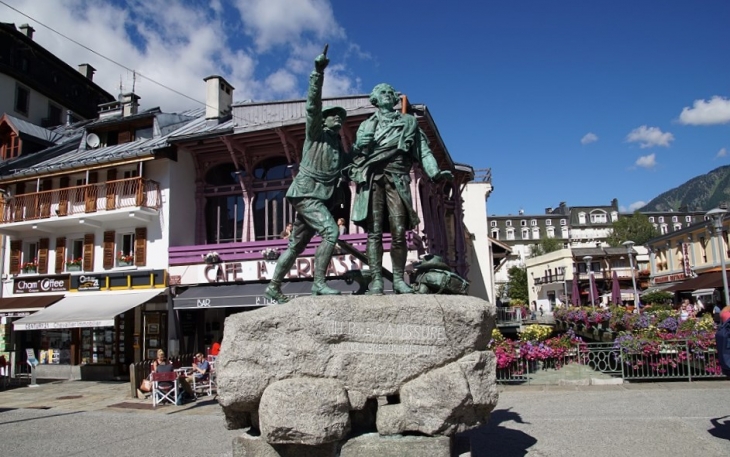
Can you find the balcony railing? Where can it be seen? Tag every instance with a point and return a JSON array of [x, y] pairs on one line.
[[90, 198]]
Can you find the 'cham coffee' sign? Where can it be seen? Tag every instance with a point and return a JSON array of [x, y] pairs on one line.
[[41, 284]]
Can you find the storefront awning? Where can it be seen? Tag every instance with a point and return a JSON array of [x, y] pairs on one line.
[[703, 292], [85, 309], [252, 294], [24, 306]]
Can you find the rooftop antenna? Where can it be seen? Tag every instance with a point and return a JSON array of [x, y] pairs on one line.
[[134, 80]]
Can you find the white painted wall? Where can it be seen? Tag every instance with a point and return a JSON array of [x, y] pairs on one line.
[[481, 272], [180, 200], [38, 106]]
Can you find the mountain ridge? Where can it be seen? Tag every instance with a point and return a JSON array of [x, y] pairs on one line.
[[700, 193]]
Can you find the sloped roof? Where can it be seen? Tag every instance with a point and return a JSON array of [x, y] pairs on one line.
[[26, 128]]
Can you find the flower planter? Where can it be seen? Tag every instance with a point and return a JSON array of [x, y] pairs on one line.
[[271, 257], [121, 263], [30, 271], [73, 267]]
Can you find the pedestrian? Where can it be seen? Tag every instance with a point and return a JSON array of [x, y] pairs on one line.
[[533, 311], [542, 311], [341, 226]]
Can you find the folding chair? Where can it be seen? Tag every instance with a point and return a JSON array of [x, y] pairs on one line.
[[205, 384], [164, 388]]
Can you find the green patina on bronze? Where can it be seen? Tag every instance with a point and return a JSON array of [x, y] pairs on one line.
[[314, 189], [386, 147]]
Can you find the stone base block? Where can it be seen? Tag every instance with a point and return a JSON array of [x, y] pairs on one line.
[[374, 445], [254, 446]]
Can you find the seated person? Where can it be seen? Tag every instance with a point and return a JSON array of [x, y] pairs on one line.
[[200, 368], [162, 365]]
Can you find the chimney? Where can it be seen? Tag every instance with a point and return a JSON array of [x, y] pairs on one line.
[[87, 70], [218, 97], [27, 30], [129, 104]]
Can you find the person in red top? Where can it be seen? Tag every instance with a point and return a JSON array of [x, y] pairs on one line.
[[215, 349]]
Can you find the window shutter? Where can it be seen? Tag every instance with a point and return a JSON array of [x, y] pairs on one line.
[[140, 246], [43, 255], [88, 260], [111, 189], [16, 248], [124, 137], [60, 254], [91, 192], [109, 249], [63, 197], [45, 197]]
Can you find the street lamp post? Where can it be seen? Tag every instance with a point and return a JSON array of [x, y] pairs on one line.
[[717, 215], [629, 248], [590, 279]]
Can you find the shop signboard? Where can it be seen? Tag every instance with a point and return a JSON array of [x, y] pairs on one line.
[[56, 283], [89, 283]]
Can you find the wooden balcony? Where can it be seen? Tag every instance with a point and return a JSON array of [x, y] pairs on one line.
[[82, 200]]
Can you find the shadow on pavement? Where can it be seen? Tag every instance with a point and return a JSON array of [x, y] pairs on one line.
[[721, 429], [494, 440], [197, 404], [36, 418]]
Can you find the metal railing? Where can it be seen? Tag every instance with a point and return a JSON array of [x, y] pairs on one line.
[[90, 198], [509, 316], [676, 360]]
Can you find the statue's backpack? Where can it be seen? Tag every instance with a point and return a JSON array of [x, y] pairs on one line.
[[722, 338]]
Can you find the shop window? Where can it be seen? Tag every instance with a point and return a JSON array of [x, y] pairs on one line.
[[125, 250]]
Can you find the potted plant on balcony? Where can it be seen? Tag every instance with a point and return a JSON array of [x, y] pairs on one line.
[[211, 257], [74, 264], [124, 260], [30, 267], [270, 254]]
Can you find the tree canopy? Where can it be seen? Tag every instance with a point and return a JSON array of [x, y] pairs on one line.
[[546, 245], [636, 228], [517, 284]]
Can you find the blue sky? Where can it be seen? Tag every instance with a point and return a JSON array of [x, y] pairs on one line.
[[576, 101]]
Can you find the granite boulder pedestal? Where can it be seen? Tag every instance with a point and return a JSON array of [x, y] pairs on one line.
[[357, 375]]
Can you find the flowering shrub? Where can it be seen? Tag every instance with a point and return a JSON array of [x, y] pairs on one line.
[[536, 333], [29, 266], [550, 351], [121, 257], [270, 254], [74, 262]]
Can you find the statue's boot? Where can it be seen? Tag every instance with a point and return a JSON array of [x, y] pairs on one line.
[[321, 263], [283, 265], [398, 255], [375, 262]]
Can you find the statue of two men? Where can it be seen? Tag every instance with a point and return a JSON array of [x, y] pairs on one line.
[[386, 147]]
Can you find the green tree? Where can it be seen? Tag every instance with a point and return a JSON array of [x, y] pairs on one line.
[[636, 228], [517, 284], [545, 246]]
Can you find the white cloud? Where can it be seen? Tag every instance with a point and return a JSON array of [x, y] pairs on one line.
[[646, 161], [178, 43], [715, 111], [721, 153], [648, 137], [589, 138], [636, 205]]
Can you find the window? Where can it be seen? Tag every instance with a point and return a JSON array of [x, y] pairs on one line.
[[661, 219], [30, 253], [271, 211], [663, 229], [651, 219], [125, 250], [703, 248], [550, 232], [564, 232], [9, 143], [495, 234], [581, 218], [523, 223], [143, 133], [533, 223], [54, 115], [130, 174], [22, 99], [688, 219], [563, 222], [614, 216], [493, 223], [548, 222], [525, 234], [674, 219], [598, 218], [536, 233], [74, 254], [508, 223], [677, 226], [510, 234]]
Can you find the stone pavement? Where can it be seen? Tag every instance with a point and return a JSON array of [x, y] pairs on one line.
[[94, 396], [665, 419]]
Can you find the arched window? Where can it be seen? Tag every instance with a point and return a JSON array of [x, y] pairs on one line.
[[224, 206]]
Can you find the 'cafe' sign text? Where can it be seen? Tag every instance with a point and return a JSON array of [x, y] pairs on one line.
[[262, 270]]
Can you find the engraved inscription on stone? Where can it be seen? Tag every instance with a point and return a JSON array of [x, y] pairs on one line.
[[386, 338]]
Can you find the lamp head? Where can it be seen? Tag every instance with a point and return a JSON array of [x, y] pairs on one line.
[[628, 244]]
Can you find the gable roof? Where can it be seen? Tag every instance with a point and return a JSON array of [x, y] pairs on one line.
[[27, 129]]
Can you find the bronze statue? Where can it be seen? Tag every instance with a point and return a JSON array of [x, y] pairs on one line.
[[312, 193], [386, 146]]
